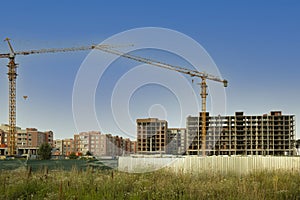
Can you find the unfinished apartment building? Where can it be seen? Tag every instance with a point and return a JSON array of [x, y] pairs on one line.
[[176, 141], [151, 136], [268, 134]]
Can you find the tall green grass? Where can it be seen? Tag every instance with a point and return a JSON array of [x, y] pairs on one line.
[[91, 184]]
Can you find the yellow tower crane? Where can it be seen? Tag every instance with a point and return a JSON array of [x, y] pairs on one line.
[[192, 73], [12, 75]]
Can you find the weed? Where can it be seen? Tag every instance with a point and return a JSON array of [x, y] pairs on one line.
[[163, 184]]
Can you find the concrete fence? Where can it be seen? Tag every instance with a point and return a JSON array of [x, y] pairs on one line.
[[220, 164]]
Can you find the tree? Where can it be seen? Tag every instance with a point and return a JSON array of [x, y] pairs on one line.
[[88, 153], [298, 143], [73, 156], [44, 151]]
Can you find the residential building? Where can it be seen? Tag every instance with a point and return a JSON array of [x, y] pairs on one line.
[[151, 136], [122, 146], [133, 147], [58, 145], [49, 137], [3, 142], [95, 142], [128, 147], [27, 140], [268, 134], [64, 147], [89, 141], [107, 146], [68, 146], [76, 143]]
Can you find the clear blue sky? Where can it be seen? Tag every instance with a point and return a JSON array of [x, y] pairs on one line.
[[255, 45]]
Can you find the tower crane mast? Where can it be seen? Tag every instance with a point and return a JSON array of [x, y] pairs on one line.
[[12, 76]]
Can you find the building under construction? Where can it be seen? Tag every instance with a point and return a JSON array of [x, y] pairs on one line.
[[151, 136], [176, 141], [268, 134]]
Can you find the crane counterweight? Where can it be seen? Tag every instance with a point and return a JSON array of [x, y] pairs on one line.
[[225, 82]]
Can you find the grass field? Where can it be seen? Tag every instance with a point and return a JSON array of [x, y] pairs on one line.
[[109, 184]]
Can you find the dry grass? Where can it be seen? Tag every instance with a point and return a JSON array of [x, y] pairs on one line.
[[91, 184]]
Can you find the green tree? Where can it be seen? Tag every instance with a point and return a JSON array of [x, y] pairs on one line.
[[298, 143], [73, 156], [88, 153], [44, 151]]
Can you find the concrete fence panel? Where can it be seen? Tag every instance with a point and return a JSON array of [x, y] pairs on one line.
[[219, 164]]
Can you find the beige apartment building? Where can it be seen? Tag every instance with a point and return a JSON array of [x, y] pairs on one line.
[[96, 143], [102, 144], [64, 147], [91, 141]]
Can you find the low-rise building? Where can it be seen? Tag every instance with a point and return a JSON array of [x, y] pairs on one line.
[[96, 143], [64, 147], [27, 140]]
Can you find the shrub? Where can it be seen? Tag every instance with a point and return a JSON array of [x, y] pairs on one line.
[[44, 151], [73, 156]]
